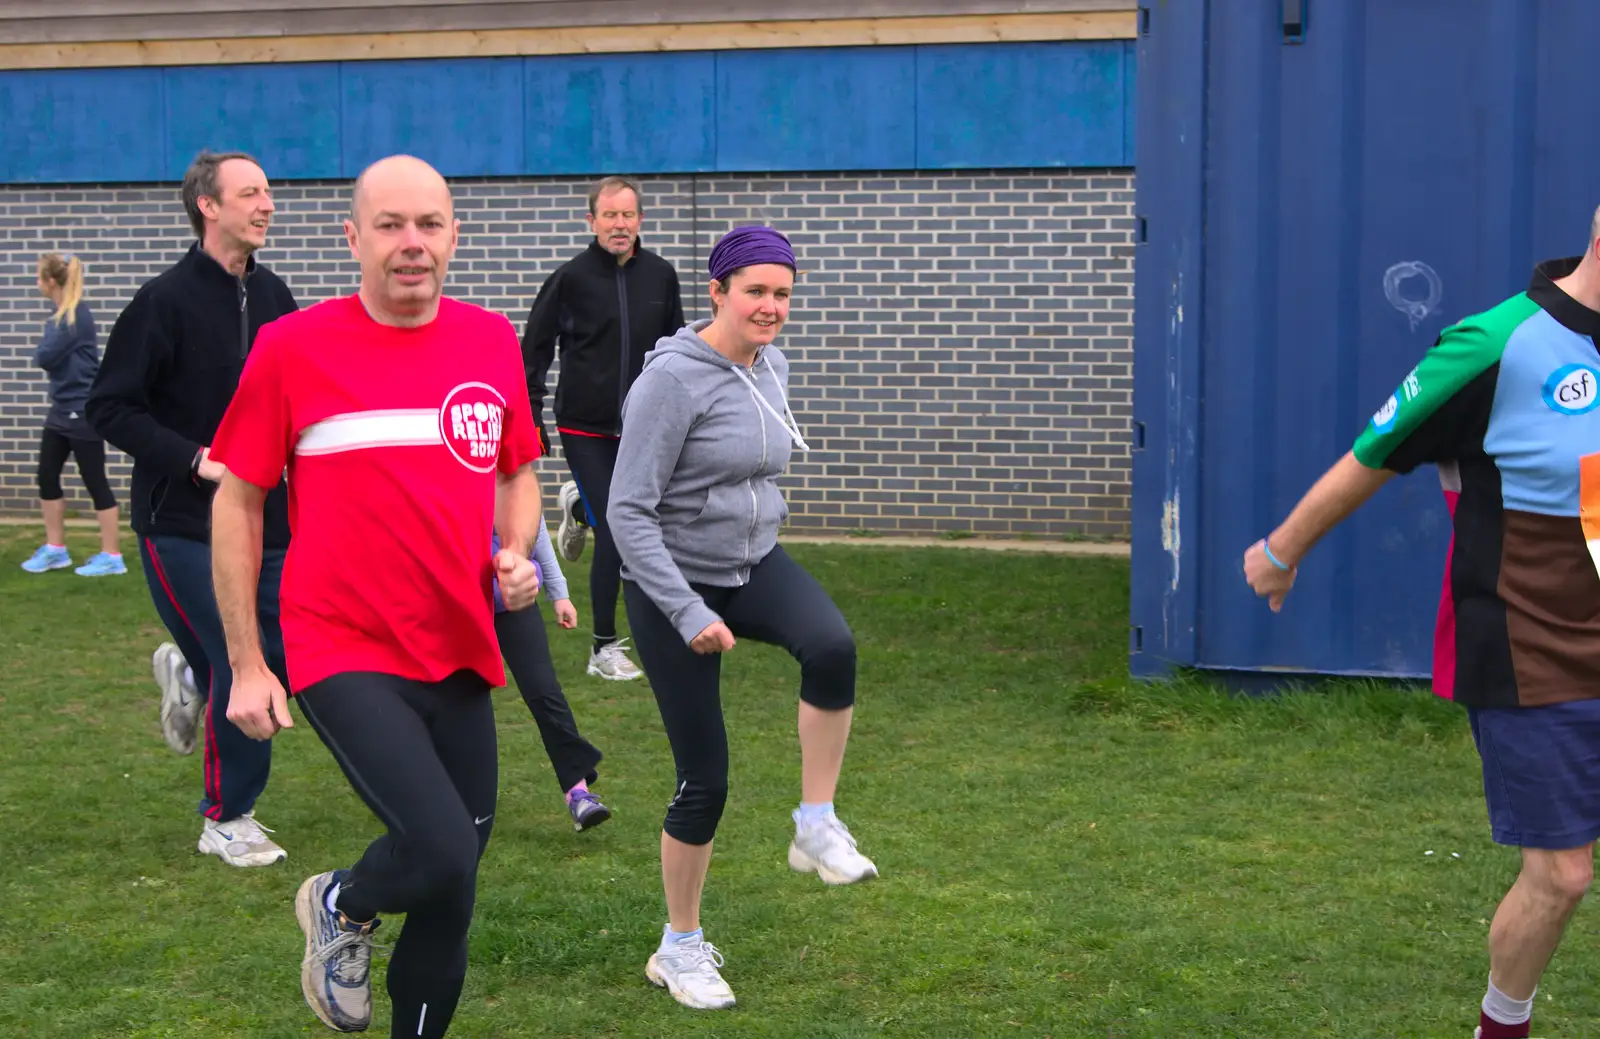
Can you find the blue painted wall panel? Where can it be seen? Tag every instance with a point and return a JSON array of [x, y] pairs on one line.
[[65, 126], [287, 112], [1017, 104], [619, 112], [462, 116], [845, 109], [978, 106], [1392, 174]]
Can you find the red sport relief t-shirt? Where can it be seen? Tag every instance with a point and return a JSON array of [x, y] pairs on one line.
[[392, 438]]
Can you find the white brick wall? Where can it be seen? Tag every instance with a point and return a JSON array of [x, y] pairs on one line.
[[961, 344]]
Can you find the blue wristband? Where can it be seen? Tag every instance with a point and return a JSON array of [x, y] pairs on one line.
[[1275, 560]]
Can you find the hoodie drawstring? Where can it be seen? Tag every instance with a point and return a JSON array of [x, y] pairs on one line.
[[790, 425]]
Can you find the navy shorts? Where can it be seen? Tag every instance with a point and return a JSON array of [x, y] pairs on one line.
[[1541, 773]]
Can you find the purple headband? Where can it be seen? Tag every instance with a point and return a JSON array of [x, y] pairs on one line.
[[747, 246]]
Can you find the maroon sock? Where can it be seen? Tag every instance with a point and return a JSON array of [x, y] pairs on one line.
[[1492, 1029]]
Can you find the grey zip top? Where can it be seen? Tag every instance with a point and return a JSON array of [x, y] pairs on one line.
[[695, 497]]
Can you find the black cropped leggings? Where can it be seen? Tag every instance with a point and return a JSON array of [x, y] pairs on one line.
[[54, 448], [782, 605]]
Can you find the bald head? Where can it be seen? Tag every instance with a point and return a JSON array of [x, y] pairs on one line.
[[400, 177], [402, 229]]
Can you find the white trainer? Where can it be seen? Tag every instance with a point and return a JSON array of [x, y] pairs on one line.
[[827, 849], [573, 532], [611, 662], [688, 970], [240, 842], [181, 702]]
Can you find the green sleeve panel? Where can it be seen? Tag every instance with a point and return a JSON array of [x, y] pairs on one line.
[[1441, 409]]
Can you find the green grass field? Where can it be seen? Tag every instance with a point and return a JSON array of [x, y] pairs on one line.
[[1063, 853]]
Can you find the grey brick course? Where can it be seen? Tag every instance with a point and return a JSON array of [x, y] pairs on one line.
[[961, 345]]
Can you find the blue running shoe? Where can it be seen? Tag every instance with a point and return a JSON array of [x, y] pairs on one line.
[[335, 975], [48, 558], [102, 564]]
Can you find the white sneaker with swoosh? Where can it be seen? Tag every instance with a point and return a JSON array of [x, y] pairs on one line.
[[181, 702], [240, 842]]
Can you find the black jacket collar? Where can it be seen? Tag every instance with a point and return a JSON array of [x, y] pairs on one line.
[[207, 266], [601, 253], [1543, 291]]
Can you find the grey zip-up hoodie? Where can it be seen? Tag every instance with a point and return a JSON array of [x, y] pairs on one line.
[[694, 496]]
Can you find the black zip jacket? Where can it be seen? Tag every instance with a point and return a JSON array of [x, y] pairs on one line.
[[607, 316], [171, 365]]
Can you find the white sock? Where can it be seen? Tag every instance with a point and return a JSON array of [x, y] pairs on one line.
[[1506, 1010], [188, 675], [331, 900], [811, 814]]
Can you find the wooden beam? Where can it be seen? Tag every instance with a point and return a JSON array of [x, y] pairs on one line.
[[842, 32], [102, 21]]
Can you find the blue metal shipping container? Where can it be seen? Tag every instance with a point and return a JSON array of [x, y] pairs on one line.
[[1324, 185]]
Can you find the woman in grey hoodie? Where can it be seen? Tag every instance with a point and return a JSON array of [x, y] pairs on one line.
[[695, 510]]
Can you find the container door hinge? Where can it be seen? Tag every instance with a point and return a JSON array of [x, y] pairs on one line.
[[1294, 21]]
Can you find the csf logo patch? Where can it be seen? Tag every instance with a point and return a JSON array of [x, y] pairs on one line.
[[1383, 418], [471, 421], [1573, 389]]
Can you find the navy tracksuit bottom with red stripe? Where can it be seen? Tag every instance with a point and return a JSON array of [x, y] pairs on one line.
[[178, 571]]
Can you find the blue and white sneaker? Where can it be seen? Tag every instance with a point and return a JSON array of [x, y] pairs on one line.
[[102, 564], [336, 974], [48, 558]]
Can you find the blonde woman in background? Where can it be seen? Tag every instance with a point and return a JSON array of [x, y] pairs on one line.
[[69, 354]]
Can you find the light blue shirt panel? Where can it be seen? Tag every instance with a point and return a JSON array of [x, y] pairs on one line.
[[1545, 416]]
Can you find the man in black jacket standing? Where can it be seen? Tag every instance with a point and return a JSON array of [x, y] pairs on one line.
[[171, 365], [608, 305]]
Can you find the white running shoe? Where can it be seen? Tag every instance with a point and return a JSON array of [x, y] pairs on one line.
[[241, 842], [611, 662], [688, 970], [573, 532], [181, 702], [827, 849]]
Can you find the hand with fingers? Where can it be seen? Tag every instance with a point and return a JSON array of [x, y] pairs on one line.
[[258, 704], [1269, 576], [716, 638], [519, 579]]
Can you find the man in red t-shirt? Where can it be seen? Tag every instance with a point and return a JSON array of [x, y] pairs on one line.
[[402, 418]]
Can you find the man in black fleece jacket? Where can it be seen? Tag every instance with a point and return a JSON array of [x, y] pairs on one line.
[[608, 305], [171, 365]]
